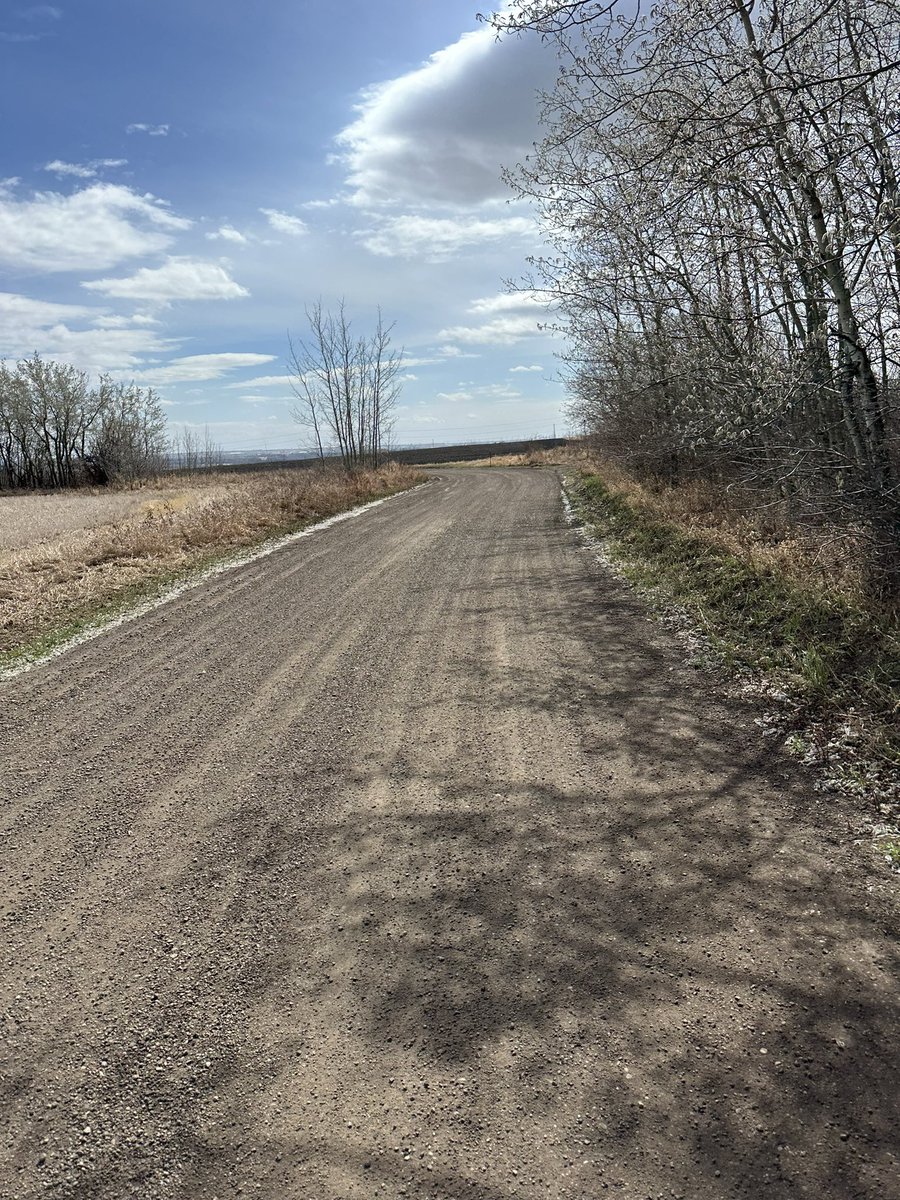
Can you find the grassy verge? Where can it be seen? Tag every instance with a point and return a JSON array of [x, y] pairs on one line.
[[51, 591], [837, 661]]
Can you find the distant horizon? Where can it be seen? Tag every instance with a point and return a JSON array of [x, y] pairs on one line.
[[301, 454]]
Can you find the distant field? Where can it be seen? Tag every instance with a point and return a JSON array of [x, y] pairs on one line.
[[27, 520]]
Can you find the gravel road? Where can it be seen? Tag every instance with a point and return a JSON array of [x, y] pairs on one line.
[[410, 862]]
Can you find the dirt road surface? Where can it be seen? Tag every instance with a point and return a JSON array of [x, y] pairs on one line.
[[410, 862]]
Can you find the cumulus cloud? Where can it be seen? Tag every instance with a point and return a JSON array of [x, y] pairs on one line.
[[437, 238], [109, 344], [503, 331], [444, 131], [94, 228], [455, 397], [176, 279], [82, 170], [227, 233], [507, 319], [523, 369], [508, 302], [152, 130], [285, 223], [196, 368]]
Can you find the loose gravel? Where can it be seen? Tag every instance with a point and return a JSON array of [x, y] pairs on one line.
[[411, 861]]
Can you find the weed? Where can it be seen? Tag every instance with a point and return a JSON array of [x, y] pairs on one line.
[[890, 848]]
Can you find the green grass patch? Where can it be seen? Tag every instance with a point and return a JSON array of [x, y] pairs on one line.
[[890, 848], [835, 655]]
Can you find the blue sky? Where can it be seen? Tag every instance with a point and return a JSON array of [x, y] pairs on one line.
[[181, 177]]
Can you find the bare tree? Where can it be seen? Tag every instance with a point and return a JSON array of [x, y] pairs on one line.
[[56, 430], [346, 386], [719, 183], [129, 439]]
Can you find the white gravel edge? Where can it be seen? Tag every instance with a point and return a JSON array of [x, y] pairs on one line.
[[95, 629]]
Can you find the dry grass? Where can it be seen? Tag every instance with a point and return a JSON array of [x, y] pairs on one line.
[[833, 559], [27, 518], [50, 583], [530, 458]]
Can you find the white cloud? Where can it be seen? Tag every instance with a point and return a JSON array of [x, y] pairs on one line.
[[510, 318], [261, 381], [17, 38], [265, 399], [508, 302], [118, 322], [111, 344], [91, 229], [498, 391], [503, 331], [285, 223], [455, 397], [177, 279], [522, 369], [152, 130], [413, 235], [421, 362], [57, 167], [227, 233], [444, 131], [82, 170], [22, 314], [40, 12], [195, 368]]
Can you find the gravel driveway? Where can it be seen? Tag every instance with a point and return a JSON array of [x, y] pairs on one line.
[[410, 862]]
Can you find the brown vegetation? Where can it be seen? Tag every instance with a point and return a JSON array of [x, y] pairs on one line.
[[50, 586], [28, 518], [733, 519]]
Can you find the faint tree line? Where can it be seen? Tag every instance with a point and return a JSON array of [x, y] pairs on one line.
[[718, 180], [191, 451], [346, 386], [57, 430]]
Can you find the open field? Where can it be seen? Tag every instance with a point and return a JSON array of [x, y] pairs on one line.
[[411, 860], [69, 556], [29, 518]]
